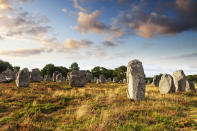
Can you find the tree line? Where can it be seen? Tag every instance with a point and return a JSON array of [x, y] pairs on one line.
[[119, 72]]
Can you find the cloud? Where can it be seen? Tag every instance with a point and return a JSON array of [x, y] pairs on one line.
[[76, 44], [77, 6], [23, 52], [185, 56], [150, 24], [109, 43], [91, 23], [64, 10], [4, 4]]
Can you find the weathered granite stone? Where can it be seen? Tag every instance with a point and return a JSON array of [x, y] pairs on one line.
[[102, 79], [35, 75], [115, 80], [55, 75], [156, 80], [179, 80], [59, 77], [190, 86], [166, 84], [135, 80], [7, 76], [47, 78], [23, 78], [89, 76], [77, 78]]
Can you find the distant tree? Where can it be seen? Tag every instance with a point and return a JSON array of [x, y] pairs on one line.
[[192, 78], [74, 66], [120, 72], [96, 71], [62, 69], [4, 65], [17, 68], [48, 70]]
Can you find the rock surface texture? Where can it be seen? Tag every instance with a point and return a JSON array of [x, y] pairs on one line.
[[35, 75], [23, 78], [135, 80], [179, 80], [166, 84], [77, 78]]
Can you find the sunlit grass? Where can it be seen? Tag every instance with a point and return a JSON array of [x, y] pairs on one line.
[[57, 106]]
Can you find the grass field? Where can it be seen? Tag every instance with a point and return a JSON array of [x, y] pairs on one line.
[[57, 106]]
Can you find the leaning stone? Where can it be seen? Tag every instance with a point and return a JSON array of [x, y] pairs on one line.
[[135, 80], [166, 84], [190, 86], [35, 75], [179, 80], [23, 78]]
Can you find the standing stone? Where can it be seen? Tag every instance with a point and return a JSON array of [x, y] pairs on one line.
[[136, 81], [109, 80], [35, 75], [179, 80], [8, 75], [47, 78], [166, 84], [77, 78], [124, 81], [115, 80], [98, 81], [190, 86], [156, 80], [23, 78], [102, 79], [89, 76], [54, 76], [59, 77], [120, 81]]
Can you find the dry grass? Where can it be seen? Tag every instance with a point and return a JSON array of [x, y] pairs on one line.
[[57, 106]]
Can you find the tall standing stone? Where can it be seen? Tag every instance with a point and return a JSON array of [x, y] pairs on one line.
[[166, 84], [59, 77], [179, 80], [23, 78], [54, 76], [136, 81], [102, 79], [35, 75], [156, 80], [190, 86]]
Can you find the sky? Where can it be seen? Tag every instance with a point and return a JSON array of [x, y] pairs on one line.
[[108, 33]]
